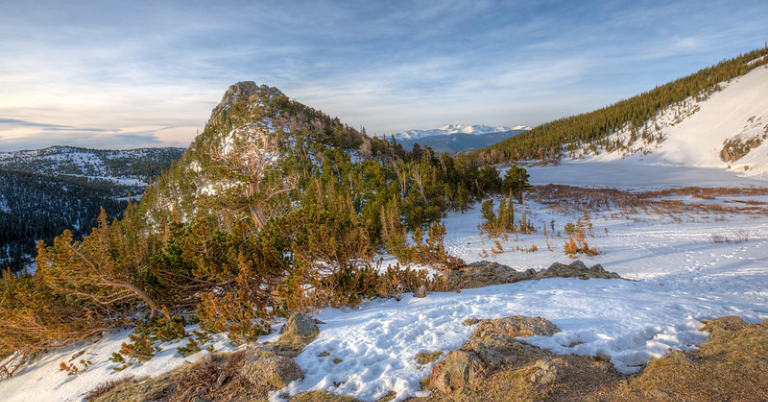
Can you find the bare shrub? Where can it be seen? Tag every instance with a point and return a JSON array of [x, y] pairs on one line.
[[577, 244], [742, 236], [569, 199]]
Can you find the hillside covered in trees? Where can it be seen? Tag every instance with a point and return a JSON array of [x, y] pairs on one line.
[[275, 207], [590, 132], [43, 192]]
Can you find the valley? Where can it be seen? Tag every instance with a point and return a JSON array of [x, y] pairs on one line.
[[43, 192]]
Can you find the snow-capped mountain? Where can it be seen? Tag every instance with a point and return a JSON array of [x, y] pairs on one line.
[[457, 137], [477, 129]]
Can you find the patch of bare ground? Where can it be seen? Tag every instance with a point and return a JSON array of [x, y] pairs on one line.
[[581, 378], [570, 199], [732, 366], [214, 378]]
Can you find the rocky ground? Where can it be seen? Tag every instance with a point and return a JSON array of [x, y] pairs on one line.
[[733, 365]]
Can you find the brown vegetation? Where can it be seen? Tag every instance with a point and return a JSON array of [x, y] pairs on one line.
[[569, 199]]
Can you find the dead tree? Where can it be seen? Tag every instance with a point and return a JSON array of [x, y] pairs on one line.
[[240, 173]]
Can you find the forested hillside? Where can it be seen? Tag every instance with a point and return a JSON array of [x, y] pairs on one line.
[[138, 165], [36, 207], [591, 131], [43, 192]]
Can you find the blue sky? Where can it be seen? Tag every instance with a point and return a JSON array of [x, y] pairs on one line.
[[126, 74]]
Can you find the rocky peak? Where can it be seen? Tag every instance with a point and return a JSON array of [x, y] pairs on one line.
[[242, 91]]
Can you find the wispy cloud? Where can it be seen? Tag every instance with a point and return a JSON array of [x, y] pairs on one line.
[[114, 140], [12, 123]]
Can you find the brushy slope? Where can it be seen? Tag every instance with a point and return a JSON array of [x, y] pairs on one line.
[[591, 130]]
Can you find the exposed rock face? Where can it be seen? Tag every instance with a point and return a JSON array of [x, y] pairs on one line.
[[420, 292], [487, 273], [300, 324], [458, 370], [271, 365], [494, 340], [548, 373], [492, 346], [576, 269], [737, 147], [274, 371], [300, 330], [237, 93], [515, 326]]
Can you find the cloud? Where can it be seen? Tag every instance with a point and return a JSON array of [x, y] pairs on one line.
[[20, 134], [37, 140], [45, 126]]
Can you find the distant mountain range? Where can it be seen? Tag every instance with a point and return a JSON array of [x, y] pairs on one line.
[[457, 137], [452, 129]]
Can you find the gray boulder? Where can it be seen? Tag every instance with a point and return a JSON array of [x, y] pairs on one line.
[[273, 371], [460, 369], [487, 273], [548, 373]]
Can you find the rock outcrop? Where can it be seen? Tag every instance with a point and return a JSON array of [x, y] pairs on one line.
[[273, 371], [487, 273], [240, 92], [271, 365], [300, 330], [739, 146], [458, 370], [494, 345]]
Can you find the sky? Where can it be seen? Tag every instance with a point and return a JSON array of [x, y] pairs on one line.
[[129, 74]]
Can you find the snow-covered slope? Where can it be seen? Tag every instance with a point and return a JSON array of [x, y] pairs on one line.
[[694, 133], [477, 129]]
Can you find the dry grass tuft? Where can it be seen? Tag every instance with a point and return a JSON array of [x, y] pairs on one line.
[[105, 387], [426, 358]]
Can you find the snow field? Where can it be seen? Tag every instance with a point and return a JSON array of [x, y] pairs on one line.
[[631, 322], [681, 278], [695, 132]]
